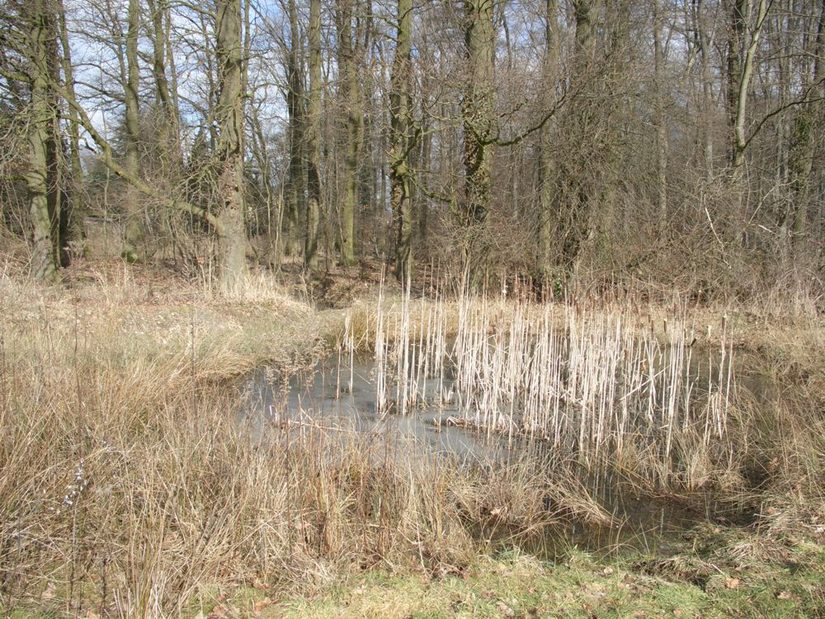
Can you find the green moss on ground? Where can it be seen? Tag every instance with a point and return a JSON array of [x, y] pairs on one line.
[[522, 586], [717, 572]]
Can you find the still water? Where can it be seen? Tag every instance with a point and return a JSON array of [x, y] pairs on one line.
[[336, 397]]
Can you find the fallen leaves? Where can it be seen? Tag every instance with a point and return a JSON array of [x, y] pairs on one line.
[[732, 583]]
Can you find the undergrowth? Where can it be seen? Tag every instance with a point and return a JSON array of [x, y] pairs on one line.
[[132, 484]]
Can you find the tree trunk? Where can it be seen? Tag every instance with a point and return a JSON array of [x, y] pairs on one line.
[[75, 212], [808, 119], [56, 155], [260, 154], [575, 187], [661, 114], [402, 141], [477, 110], [737, 10], [353, 127], [705, 45], [230, 116], [422, 207], [167, 107], [296, 179], [44, 258], [133, 235], [157, 9], [312, 137], [547, 180], [740, 72]]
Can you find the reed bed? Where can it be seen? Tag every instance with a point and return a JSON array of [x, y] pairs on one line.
[[606, 386], [131, 487]]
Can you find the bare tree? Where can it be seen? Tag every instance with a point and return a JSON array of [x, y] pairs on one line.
[[312, 136], [402, 141], [230, 117]]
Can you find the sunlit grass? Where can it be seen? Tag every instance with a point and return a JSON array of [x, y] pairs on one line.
[[130, 484]]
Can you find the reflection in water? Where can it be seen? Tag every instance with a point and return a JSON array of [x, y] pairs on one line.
[[335, 398]]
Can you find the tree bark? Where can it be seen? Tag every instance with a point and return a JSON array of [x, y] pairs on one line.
[[741, 56], [705, 45], [547, 180], [167, 107], [402, 141], [575, 187], [44, 258], [134, 234], [662, 145], [312, 137], [477, 110], [230, 116], [76, 213], [296, 179], [737, 11], [807, 121], [353, 127]]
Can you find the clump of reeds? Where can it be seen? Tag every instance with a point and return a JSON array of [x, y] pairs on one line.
[[605, 385]]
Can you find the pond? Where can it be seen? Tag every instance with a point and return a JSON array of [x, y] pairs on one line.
[[341, 397]]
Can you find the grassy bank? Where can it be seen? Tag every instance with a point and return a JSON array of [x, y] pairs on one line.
[[130, 485], [716, 583]]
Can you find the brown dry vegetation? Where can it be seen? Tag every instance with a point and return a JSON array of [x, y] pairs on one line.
[[130, 485]]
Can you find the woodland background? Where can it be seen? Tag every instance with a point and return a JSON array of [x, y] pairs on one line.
[[659, 144]]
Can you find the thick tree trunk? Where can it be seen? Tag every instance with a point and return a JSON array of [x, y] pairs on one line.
[[75, 211], [477, 110], [133, 249], [296, 180], [353, 127], [575, 186], [312, 137], [44, 258], [737, 12], [230, 116], [402, 141]]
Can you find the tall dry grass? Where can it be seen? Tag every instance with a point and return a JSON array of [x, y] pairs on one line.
[[130, 483], [604, 385]]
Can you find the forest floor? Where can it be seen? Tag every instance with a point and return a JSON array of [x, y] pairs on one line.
[[117, 340]]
